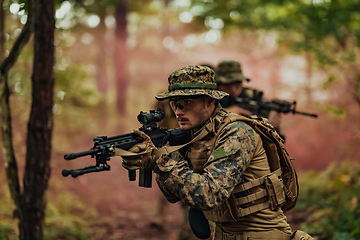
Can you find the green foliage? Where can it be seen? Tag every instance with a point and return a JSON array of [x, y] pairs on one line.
[[329, 29], [67, 215], [67, 218], [335, 111], [328, 82], [333, 196], [74, 86], [6, 222]]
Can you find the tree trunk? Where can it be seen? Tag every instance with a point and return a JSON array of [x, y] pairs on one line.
[[121, 56], [37, 169], [102, 81]]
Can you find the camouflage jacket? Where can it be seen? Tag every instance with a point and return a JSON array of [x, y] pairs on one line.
[[237, 156], [222, 172]]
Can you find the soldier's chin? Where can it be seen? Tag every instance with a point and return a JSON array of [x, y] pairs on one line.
[[184, 126]]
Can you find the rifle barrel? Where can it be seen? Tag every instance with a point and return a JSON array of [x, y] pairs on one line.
[[306, 114]]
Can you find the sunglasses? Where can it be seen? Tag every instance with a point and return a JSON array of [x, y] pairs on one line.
[[183, 103]]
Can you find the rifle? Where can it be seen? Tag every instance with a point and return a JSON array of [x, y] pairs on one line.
[[104, 146], [257, 106], [103, 150]]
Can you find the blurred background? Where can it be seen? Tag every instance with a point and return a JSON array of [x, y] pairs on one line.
[[113, 57]]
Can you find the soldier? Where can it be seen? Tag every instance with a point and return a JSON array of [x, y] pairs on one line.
[[169, 121], [223, 157], [229, 79]]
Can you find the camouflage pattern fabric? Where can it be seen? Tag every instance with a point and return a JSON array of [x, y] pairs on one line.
[[229, 71], [233, 151], [237, 156], [190, 81]]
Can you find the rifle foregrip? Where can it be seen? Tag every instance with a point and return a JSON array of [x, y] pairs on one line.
[[145, 178], [132, 175]]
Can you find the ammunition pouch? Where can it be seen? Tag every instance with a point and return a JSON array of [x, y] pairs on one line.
[[274, 187], [250, 197], [272, 196]]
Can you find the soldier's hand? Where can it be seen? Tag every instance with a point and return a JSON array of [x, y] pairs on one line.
[[143, 157]]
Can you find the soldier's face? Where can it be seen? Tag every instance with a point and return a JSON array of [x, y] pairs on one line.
[[233, 89], [192, 113]]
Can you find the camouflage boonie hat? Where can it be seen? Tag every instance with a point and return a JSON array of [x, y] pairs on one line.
[[190, 81], [229, 71]]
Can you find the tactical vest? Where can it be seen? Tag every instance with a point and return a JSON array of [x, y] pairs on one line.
[[249, 197]]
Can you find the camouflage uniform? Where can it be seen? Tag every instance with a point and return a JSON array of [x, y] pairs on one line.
[[226, 158]]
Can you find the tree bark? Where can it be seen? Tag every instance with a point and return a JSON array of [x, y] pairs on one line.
[[40, 125], [121, 55]]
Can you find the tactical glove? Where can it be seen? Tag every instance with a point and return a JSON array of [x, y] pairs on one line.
[[143, 157]]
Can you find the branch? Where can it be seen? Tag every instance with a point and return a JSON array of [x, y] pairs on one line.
[[19, 44]]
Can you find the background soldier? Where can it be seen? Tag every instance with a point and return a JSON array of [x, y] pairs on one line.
[[229, 78]]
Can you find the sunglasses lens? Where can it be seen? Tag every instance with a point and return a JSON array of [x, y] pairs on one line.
[[174, 104], [181, 104]]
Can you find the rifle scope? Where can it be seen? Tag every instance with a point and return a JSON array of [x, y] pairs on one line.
[[152, 117]]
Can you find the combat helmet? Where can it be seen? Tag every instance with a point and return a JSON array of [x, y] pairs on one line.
[[229, 71], [192, 81]]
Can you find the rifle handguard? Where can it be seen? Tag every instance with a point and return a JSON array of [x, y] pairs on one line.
[[147, 158]]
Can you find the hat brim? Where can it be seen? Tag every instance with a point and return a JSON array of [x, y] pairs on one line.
[[216, 94], [230, 78]]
